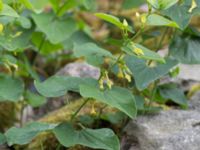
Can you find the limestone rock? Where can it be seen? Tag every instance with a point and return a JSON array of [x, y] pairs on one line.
[[168, 130], [80, 69], [195, 102]]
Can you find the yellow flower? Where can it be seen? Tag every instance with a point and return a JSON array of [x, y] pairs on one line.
[[109, 84], [144, 18], [128, 77], [138, 51], [193, 6], [101, 84], [1, 28], [93, 111], [120, 73]]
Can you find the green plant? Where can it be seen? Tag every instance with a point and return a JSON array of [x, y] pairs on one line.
[[28, 32]]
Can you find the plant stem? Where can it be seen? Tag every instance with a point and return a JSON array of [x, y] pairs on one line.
[[22, 113], [39, 49], [160, 43], [79, 109], [109, 69]]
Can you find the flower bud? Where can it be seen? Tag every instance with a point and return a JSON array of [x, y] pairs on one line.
[[138, 51], [125, 23]]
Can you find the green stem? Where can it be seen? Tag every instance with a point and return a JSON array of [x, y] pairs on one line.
[[160, 43], [79, 109], [39, 49], [118, 58]]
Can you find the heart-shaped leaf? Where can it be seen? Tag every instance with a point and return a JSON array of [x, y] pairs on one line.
[[59, 85], [118, 97], [24, 135], [157, 20], [56, 30], [186, 49], [143, 74], [93, 138]]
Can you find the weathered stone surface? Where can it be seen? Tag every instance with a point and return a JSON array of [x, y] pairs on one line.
[[80, 69], [189, 72], [168, 130], [195, 102]]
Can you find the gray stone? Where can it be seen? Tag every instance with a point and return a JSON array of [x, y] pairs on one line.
[[80, 69], [195, 102], [168, 130], [189, 72]]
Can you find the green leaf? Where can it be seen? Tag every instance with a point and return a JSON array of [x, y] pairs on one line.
[[47, 47], [118, 97], [15, 42], [8, 11], [27, 4], [147, 53], [56, 86], [11, 89], [56, 30], [93, 138], [179, 14], [143, 74], [157, 20], [34, 99], [186, 49], [2, 139], [1, 5], [35, 5], [90, 4], [93, 54], [24, 135], [129, 4], [24, 22], [173, 93], [77, 38], [114, 20], [67, 6], [162, 4]]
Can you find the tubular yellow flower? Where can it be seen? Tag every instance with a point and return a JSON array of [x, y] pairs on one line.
[[109, 84], [93, 111], [120, 73], [128, 77], [101, 84], [193, 6]]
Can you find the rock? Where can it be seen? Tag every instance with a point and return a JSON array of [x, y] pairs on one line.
[[189, 72], [79, 69], [195, 102], [4, 147], [168, 130]]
